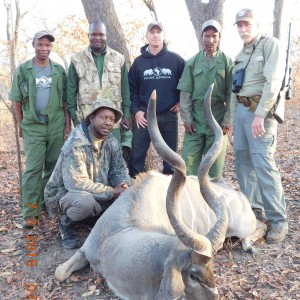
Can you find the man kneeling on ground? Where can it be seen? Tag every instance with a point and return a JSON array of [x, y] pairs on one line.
[[90, 172]]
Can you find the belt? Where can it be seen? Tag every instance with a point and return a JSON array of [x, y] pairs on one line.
[[249, 101]]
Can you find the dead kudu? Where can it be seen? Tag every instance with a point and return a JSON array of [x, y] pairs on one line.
[[158, 239]]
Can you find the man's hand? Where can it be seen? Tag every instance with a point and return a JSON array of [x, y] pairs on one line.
[[258, 128], [175, 108], [140, 119], [67, 131], [231, 135], [120, 188], [190, 128], [126, 124], [225, 129]]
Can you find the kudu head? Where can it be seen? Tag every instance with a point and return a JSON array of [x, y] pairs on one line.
[[197, 277]]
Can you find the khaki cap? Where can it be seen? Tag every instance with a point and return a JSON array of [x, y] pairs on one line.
[[155, 24], [211, 23], [104, 103], [43, 33], [245, 14]]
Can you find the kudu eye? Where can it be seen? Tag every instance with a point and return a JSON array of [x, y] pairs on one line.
[[194, 277]]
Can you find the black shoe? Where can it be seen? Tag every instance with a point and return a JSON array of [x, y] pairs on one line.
[[68, 233], [30, 222]]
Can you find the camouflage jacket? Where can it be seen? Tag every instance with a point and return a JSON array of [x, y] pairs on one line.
[[89, 84], [85, 166]]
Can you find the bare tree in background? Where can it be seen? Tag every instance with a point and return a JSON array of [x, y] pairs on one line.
[[151, 6], [104, 10], [12, 31], [277, 16], [200, 12]]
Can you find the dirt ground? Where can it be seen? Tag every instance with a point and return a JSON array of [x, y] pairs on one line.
[[272, 273]]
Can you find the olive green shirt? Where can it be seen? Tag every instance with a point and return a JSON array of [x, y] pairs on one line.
[[24, 89], [263, 75], [199, 73]]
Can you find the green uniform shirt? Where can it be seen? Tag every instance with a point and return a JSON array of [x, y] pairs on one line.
[[24, 89], [73, 82], [263, 75], [197, 76]]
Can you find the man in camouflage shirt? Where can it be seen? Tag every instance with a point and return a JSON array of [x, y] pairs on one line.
[[100, 72], [90, 172]]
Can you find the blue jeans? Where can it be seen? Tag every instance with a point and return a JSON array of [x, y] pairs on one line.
[[256, 170], [168, 127]]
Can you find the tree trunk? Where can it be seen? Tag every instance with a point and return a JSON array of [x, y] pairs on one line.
[[12, 31], [200, 12], [104, 10], [277, 16]]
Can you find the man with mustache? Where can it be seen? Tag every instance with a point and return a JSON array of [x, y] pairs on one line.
[[210, 65], [261, 63], [100, 71], [90, 172]]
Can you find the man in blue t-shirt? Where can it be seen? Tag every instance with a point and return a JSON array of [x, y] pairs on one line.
[[160, 69]]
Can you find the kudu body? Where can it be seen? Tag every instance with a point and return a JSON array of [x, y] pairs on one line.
[[157, 240]]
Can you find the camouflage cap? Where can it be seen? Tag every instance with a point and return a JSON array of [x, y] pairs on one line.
[[245, 14], [104, 103], [211, 23], [155, 24], [43, 33]]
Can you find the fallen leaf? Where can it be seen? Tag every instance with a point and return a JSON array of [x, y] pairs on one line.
[[9, 279], [18, 225], [6, 274], [9, 250], [89, 293]]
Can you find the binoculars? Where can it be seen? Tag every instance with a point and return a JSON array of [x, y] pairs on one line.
[[238, 79]]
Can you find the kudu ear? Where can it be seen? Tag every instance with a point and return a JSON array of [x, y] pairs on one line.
[[171, 286]]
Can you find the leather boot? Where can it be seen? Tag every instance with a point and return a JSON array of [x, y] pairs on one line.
[[68, 233]]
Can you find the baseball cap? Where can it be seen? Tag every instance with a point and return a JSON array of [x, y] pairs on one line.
[[245, 14], [104, 103], [211, 23], [43, 33], [153, 24]]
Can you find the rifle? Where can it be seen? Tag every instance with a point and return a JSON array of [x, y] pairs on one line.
[[284, 93]]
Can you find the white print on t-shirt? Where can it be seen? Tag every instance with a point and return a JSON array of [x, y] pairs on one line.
[[43, 81], [157, 73]]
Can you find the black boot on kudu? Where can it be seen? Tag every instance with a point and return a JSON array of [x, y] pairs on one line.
[[68, 233]]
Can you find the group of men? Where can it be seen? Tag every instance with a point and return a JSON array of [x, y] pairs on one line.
[[79, 173]]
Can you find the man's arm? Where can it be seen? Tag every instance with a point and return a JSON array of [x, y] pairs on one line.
[[19, 115], [118, 171], [67, 128], [134, 89], [72, 91], [125, 92], [126, 121], [186, 111], [273, 72], [226, 124], [17, 97], [76, 177]]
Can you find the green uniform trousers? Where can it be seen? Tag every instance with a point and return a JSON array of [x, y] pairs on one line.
[[195, 146], [42, 144]]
